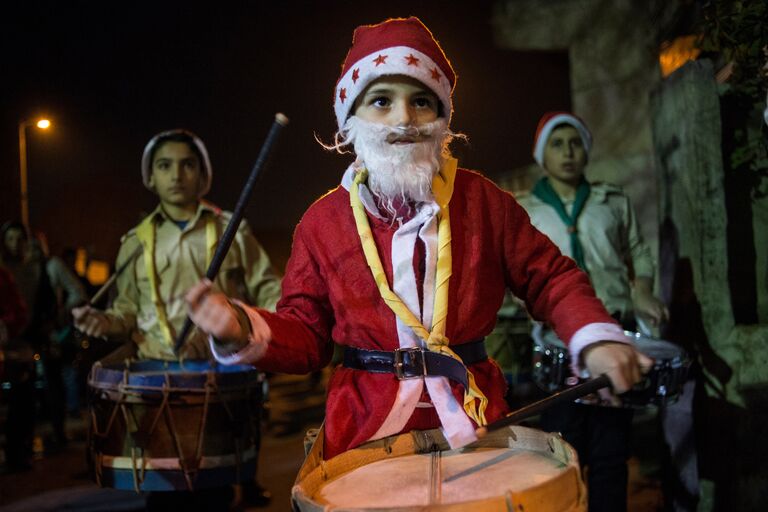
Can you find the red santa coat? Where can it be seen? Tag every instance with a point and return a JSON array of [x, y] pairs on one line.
[[329, 294]]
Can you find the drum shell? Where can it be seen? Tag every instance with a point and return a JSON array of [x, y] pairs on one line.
[[194, 430], [562, 492]]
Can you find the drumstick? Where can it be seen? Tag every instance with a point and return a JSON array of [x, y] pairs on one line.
[[568, 395], [107, 285], [237, 215], [109, 282]]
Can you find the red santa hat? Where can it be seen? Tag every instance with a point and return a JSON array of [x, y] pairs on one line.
[[177, 135], [548, 122], [394, 47]]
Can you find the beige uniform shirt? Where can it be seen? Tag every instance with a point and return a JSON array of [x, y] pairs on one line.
[[180, 262], [609, 233]]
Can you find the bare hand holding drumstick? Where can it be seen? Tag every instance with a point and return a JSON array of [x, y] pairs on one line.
[[615, 366], [94, 322], [621, 362], [91, 321], [214, 314]]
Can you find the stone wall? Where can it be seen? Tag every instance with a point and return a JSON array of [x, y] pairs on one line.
[[686, 130], [731, 415]]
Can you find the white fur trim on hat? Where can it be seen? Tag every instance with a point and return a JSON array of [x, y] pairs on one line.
[[398, 60], [547, 124]]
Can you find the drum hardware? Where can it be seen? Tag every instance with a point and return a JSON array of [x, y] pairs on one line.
[[660, 385]]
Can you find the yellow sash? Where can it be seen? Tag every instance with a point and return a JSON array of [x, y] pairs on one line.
[[436, 341], [146, 233]]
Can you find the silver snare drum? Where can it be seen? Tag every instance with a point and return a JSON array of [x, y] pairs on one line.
[[661, 385]]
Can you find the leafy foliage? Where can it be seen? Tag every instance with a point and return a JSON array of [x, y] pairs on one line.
[[737, 31]]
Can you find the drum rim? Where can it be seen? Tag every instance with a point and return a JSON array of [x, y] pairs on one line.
[[181, 367], [159, 376]]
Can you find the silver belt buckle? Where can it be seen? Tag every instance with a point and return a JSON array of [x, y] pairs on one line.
[[400, 367]]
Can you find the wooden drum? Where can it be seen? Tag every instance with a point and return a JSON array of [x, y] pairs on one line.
[[166, 426], [512, 469]]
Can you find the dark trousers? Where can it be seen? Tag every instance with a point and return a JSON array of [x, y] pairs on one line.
[[681, 482], [20, 424], [216, 499], [54, 397], [601, 437]]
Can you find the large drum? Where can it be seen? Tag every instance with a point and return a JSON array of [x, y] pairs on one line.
[[661, 385], [511, 469], [162, 426]]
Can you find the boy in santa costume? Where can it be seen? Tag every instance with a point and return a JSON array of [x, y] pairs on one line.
[[405, 265]]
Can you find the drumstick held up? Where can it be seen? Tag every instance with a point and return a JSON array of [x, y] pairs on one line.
[[225, 242]]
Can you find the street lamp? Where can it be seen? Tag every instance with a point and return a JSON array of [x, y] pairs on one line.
[[43, 124]]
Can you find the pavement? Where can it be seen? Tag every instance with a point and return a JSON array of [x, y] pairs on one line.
[[59, 480]]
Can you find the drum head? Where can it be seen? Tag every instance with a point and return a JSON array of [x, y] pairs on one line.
[[522, 468], [447, 478]]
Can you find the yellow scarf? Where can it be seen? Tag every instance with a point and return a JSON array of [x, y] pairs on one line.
[[146, 233], [436, 341]]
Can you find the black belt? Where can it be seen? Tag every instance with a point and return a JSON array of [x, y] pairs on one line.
[[413, 363]]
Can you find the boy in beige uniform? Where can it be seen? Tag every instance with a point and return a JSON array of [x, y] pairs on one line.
[[166, 254], [170, 250], [595, 224]]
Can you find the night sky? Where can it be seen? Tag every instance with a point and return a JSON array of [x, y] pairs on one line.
[[111, 75]]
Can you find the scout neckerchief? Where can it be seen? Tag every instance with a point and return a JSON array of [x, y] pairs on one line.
[[544, 191], [442, 188], [146, 233]]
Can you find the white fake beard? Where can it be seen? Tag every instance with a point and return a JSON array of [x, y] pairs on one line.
[[398, 173]]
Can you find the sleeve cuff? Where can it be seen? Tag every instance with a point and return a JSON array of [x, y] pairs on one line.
[[258, 340], [589, 334], [644, 270]]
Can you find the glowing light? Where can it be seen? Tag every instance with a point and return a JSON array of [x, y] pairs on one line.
[[44, 124], [81, 261], [677, 52], [98, 272]]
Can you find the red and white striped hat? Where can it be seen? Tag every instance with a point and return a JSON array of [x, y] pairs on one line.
[[548, 122], [398, 46]]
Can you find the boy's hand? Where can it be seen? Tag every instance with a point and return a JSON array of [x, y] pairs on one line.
[[651, 308], [646, 304], [214, 314], [622, 362], [90, 321]]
